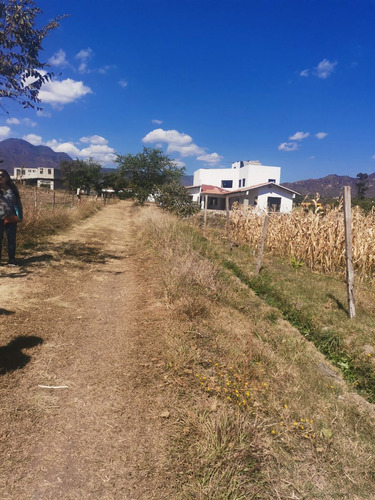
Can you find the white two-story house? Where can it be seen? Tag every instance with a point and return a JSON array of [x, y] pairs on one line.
[[246, 182], [40, 176]]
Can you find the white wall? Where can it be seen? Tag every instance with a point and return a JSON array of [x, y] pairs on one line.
[[286, 198], [250, 174]]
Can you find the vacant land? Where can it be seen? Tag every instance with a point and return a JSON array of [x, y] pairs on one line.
[[136, 363]]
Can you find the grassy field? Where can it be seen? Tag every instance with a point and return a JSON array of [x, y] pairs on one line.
[[276, 381]]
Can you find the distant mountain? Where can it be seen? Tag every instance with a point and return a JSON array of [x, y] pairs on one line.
[[330, 186], [17, 152]]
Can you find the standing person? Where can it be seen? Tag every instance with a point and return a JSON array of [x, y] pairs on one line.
[[10, 214]]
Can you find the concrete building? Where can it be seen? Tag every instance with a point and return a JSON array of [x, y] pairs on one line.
[[246, 182], [40, 176]]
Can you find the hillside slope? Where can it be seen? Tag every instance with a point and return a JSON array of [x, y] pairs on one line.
[[17, 153]]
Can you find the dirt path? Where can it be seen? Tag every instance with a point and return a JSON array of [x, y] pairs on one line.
[[87, 315]]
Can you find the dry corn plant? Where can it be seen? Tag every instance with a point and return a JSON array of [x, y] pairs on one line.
[[314, 238]]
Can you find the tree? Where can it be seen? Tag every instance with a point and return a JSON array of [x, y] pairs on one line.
[[147, 171], [362, 185], [174, 198], [82, 174], [21, 72]]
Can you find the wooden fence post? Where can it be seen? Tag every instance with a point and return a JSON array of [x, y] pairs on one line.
[[205, 214], [227, 219], [349, 251], [35, 196], [261, 247], [53, 199]]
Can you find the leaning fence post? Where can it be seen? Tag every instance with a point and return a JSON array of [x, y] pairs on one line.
[[35, 196], [205, 214], [53, 199], [349, 251], [227, 219], [261, 247]]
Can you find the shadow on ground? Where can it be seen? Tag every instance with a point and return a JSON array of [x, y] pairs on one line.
[[5, 312], [11, 356], [339, 304], [70, 251]]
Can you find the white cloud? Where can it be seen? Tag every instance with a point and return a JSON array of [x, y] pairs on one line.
[[33, 139], [177, 142], [84, 56], [210, 159], [373, 157], [123, 83], [321, 135], [94, 139], [157, 122], [298, 136], [43, 113], [97, 149], [288, 146], [304, 73], [13, 121], [57, 93], [100, 152], [64, 147], [179, 163], [25, 121], [325, 68], [58, 59], [4, 132]]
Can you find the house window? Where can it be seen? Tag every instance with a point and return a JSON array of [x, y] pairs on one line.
[[241, 164], [49, 171], [271, 180], [40, 170], [243, 182], [239, 183], [226, 184], [274, 203]]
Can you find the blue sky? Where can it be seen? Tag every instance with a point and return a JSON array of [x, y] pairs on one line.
[[290, 83]]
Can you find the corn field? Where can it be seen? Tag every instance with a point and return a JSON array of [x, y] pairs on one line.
[[315, 239]]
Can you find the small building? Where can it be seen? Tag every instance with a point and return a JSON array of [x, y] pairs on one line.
[[40, 176], [248, 183]]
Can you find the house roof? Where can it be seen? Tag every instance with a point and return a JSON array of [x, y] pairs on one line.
[[208, 189], [256, 186]]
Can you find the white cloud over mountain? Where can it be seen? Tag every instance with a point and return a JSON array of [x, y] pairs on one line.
[[97, 147], [4, 132]]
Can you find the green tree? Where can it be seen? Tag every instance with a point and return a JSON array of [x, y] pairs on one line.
[[20, 44], [146, 172], [362, 185], [174, 198], [82, 174]]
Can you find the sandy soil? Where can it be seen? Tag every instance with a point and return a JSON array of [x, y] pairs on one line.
[[82, 386]]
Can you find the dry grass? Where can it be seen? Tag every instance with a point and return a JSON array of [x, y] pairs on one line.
[[263, 414], [315, 239], [46, 213]]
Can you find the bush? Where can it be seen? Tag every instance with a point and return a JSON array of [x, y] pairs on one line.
[[174, 198]]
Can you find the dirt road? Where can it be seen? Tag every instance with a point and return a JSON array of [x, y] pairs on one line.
[[81, 368]]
